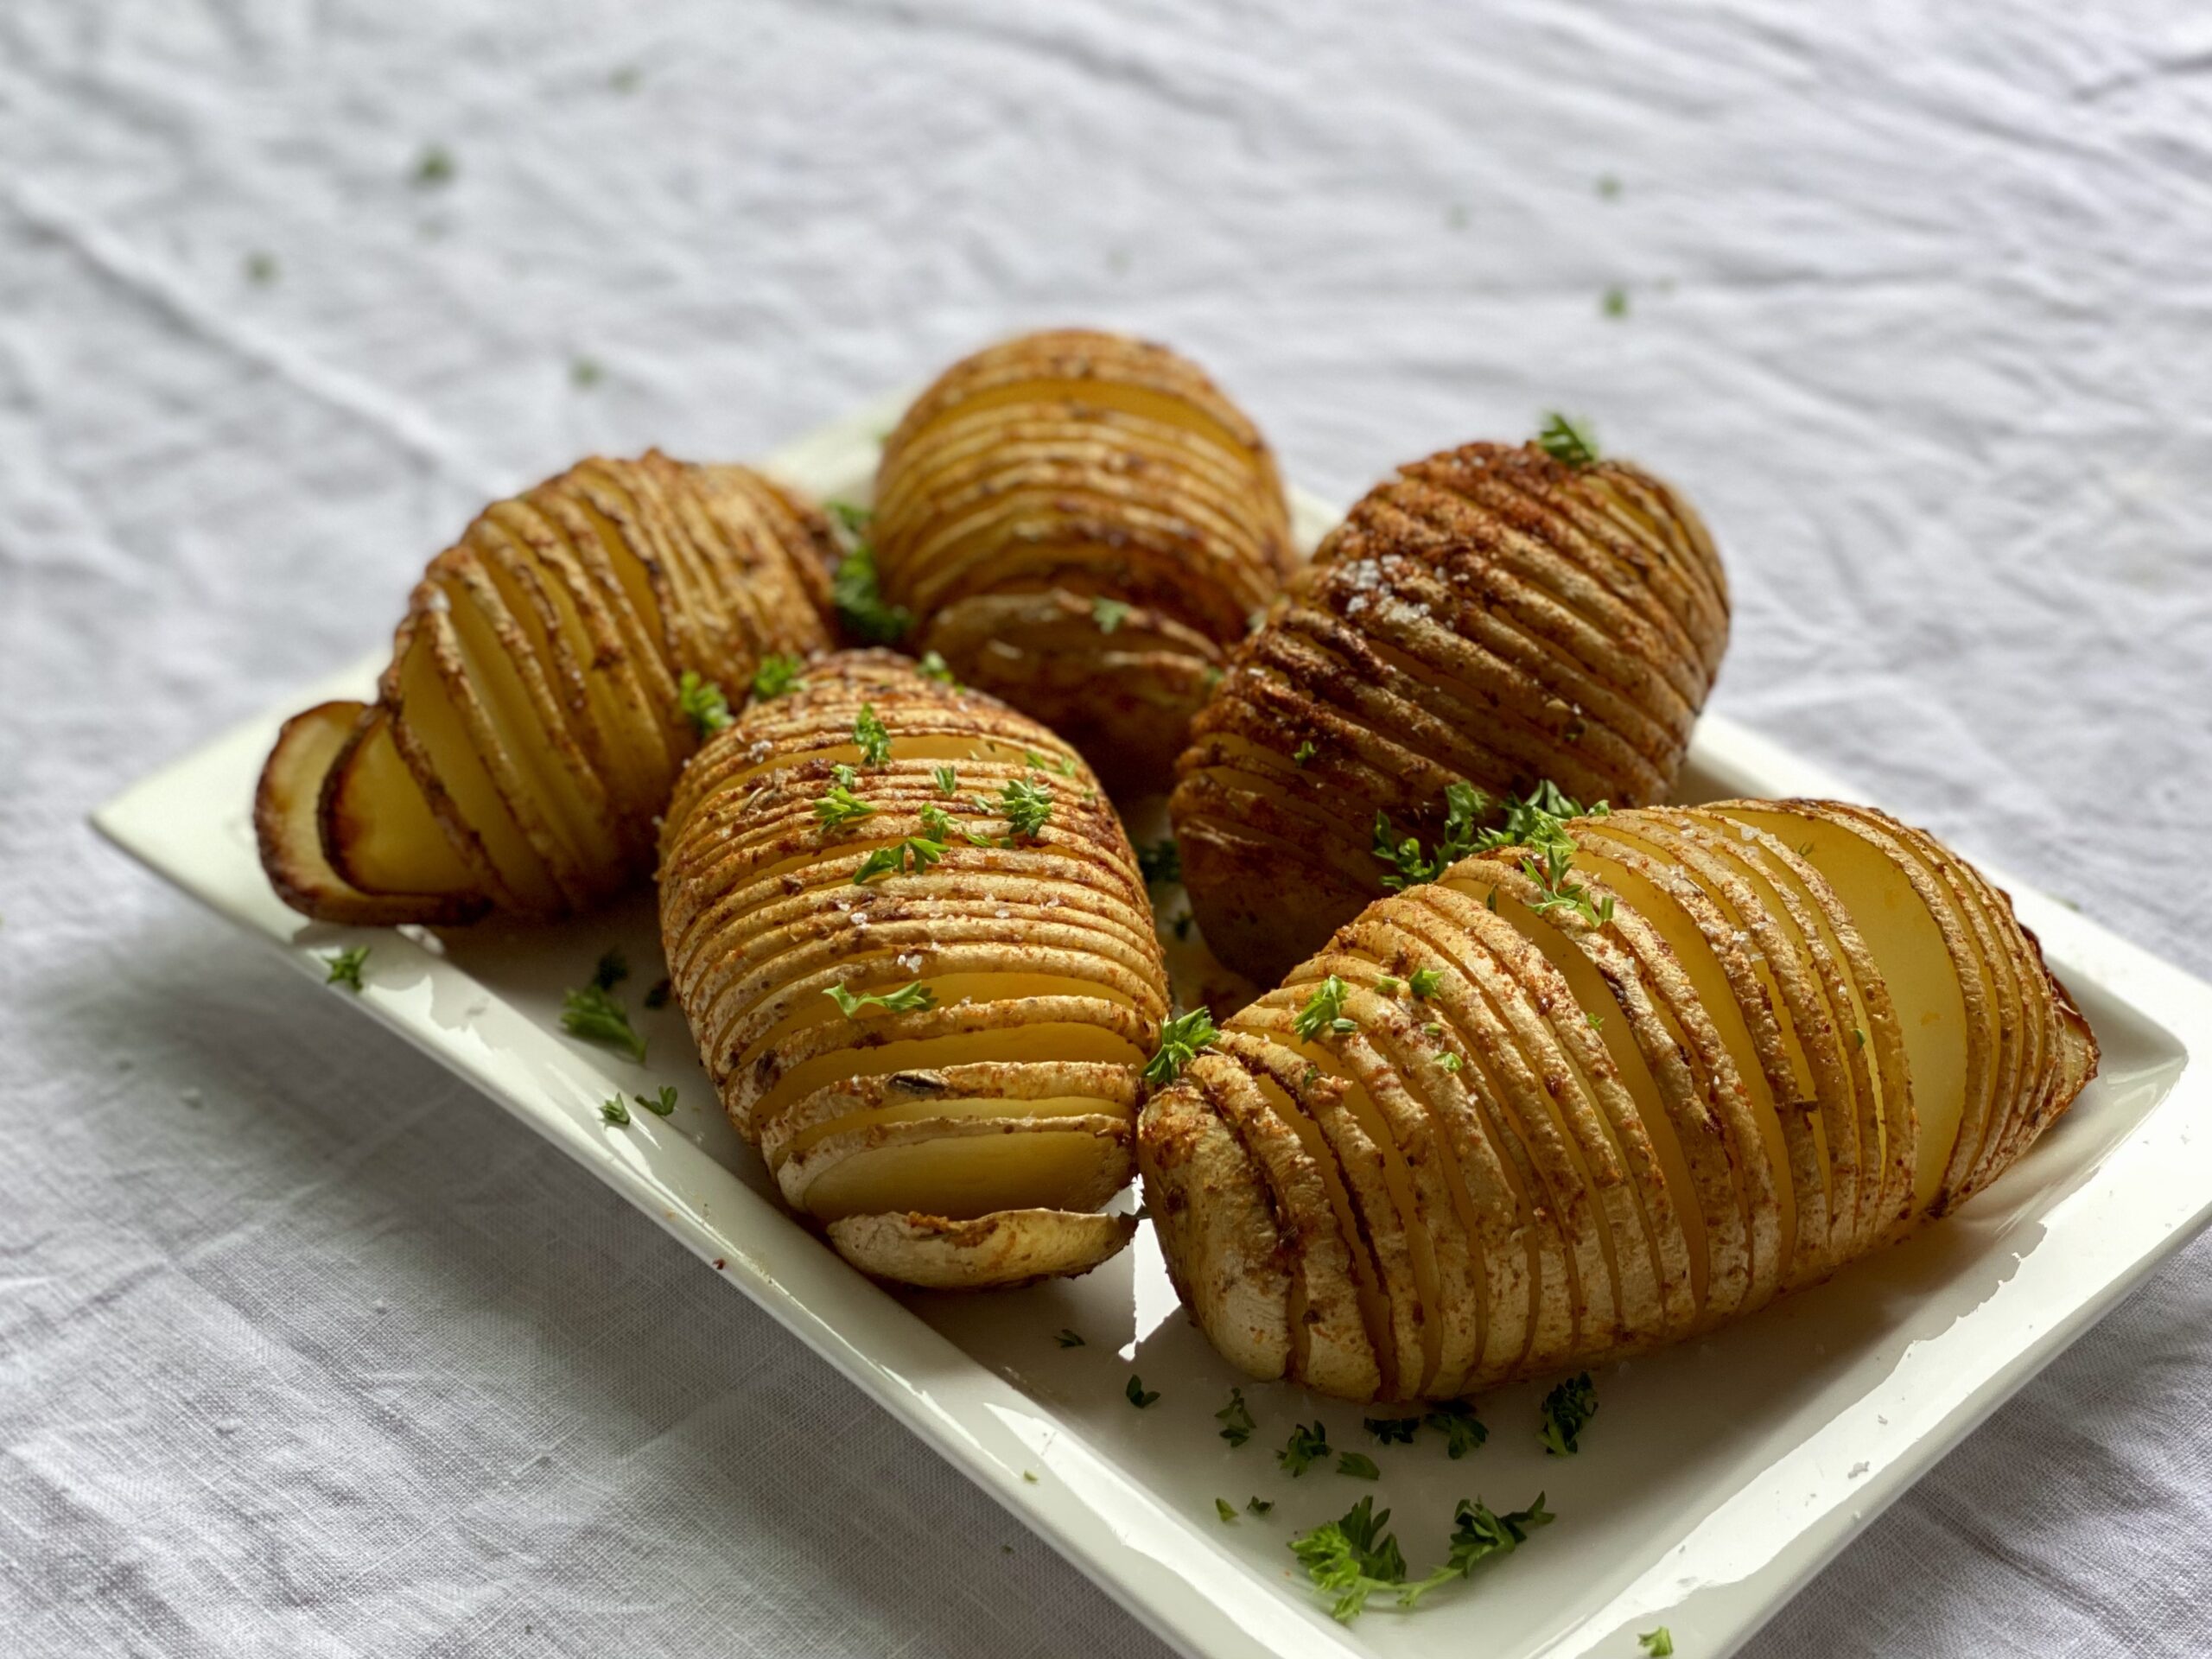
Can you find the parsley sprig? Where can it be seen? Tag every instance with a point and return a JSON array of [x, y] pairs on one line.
[[1354, 1558], [345, 967], [1160, 861], [870, 737], [1567, 1411], [840, 807], [1410, 866], [776, 675], [701, 702], [1304, 1446], [1027, 805], [1109, 614], [857, 592], [907, 998], [1462, 1430], [921, 850], [1325, 1011], [1567, 440], [597, 1016], [1180, 1040], [1235, 1419]]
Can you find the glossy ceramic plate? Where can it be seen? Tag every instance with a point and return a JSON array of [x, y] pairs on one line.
[[1716, 1479]]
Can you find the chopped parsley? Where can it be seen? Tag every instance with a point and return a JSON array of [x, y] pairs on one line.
[[1109, 614], [1423, 981], [661, 1103], [611, 970], [1389, 985], [1180, 1040], [1615, 302], [947, 779], [1567, 440], [934, 667], [1358, 1465], [345, 967], [1463, 1431], [658, 996], [1303, 753], [907, 998], [857, 592], [1392, 1431], [1539, 819], [1450, 1062], [1567, 1410], [594, 1014], [584, 373], [1137, 1393], [434, 168], [1260, 1505], [853, 520], [1353, 1558], [1161, 861], [1555, 892], [1659, 1644], [1235, 1419], [1027, 805], [701, 702], [1225, 1508], [892, 860], [613, 1111], [870, 737], [776, 675], [1410, 866], [1325, 1011], [841, 807], [1478, 1532], [1304, 1447], [1069, 1339]]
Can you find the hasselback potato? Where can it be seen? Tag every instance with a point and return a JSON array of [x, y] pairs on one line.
[[1081, 523], [913, 945], [1601, 1090], [1493, 615], [556, 667]]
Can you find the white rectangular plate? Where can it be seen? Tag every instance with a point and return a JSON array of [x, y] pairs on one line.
[[1717, 1479]]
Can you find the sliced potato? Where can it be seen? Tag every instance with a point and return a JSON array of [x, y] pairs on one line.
[[1488, 616], [911, 940], [287, 825], [377, 830], [1558, 1107], [997, 1251]]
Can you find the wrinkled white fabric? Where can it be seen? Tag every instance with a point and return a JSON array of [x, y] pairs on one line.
[[304, 1350]]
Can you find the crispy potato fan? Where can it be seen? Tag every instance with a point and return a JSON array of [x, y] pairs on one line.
[[911, 939], [1494, 615], [533, 719], [1578, 1097], [1081, 523]]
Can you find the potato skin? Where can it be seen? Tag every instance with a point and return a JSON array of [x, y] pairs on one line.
[[551, 642], [1081, 523], [870, 835], [1490, 616], [1266, 1191]]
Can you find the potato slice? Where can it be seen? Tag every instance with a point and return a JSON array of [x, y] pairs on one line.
[[376, 828], [998, 1251], [286, 823], [961, 1168]]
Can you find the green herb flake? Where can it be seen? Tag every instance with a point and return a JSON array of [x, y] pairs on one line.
[[1260, 1505], [907, 998], [1180, 1039], [1235, 1419], [853, 519], [1225, 1508], [1137, 1394], [594, 1014], [1423, 981], [1305, 1445], [658, 996], [1027, 805], [1392, 1431], [584, 373], [1659, 1644], [1351, 1558], [615, 1112], [1478, 1532], [840, 807], [934, 667], [1069, 1339], [857, 592], [1567, 442], [1325, 1011], [261, 269], [611, 968], [947, 779], [701, 702], [920, 850], [1410, 866], [1389, 985], [345, 966], [1357, 1464], [433, 168], [1109, 614], [661, 1103], [1303, 753], [1614, 304], [1567, 1411], [870, 737], [777, 674], [1456, 1421]]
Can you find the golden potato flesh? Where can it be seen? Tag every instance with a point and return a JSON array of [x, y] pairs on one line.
[[1082, 525], [914, 946], [535, 715], [1490, 616], [1566, 1103]]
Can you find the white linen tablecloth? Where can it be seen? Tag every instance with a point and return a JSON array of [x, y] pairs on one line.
[[304, 1350]]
